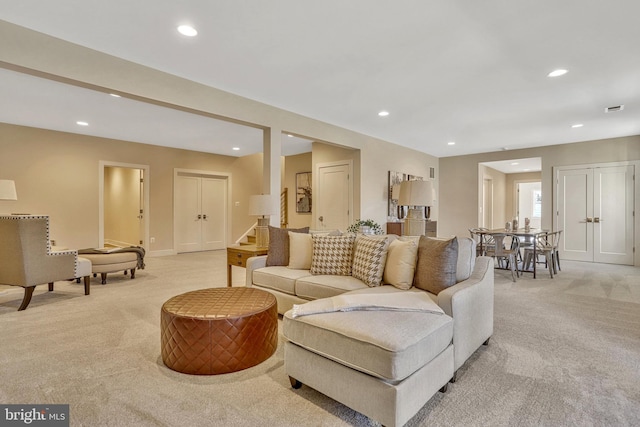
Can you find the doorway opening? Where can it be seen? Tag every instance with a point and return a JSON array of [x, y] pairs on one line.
[[123, 205]]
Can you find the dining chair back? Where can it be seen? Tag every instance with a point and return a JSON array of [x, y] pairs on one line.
[[546, 245], [505, 252]]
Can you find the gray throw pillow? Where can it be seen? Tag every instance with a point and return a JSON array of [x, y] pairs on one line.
[[278, 251], [436, 265]]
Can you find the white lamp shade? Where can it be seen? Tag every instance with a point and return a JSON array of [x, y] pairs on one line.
[[8, 190], [260, 205], [416, 193]]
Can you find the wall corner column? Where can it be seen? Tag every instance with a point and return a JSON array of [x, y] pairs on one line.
[[271, 183]]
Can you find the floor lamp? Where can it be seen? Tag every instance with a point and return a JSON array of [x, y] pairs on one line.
[[416, 195], [261, 206]]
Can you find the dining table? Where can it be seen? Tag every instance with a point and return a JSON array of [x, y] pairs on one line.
[[526, 234]]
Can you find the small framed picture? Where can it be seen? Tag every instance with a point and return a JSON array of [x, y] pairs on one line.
[[303, 192]]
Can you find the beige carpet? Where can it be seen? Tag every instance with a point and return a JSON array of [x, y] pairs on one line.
[[564, 352]]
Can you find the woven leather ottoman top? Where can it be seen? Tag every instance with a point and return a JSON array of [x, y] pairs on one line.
[[218, 330]]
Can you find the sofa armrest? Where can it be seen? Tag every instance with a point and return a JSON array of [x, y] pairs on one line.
[[470, 303], [254, 263]]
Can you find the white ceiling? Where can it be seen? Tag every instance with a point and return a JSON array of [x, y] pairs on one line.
[[464, 71]]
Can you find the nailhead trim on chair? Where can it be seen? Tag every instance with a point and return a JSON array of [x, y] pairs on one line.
[[48, 241]]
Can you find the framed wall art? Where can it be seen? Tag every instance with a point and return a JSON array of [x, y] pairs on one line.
[[303, 192]]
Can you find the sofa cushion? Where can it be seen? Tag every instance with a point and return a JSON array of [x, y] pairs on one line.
[[401, 263], [436, 265], [369, 256], [279, 278], [278, 253], [386, 344], [323, 286], [332, 254], [300, 249]]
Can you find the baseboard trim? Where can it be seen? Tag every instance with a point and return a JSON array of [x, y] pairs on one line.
[[164, 252]]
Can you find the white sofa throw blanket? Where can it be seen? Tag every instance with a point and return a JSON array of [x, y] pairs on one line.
[[384, 298]]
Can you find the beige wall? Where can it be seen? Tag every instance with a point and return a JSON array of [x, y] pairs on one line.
[[294, 165], [459, 178], [499, 181], [57, 173]]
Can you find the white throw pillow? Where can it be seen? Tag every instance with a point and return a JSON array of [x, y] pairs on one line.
[[300, 250], [401, 263]]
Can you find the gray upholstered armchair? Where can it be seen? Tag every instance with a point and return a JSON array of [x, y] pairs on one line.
[[26, 258]]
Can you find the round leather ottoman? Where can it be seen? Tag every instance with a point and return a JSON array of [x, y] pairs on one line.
[[218, 330]]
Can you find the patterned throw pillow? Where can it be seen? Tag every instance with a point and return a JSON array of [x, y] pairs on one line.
[[369, 258], [278, 251], [332, 254], [436, 265]]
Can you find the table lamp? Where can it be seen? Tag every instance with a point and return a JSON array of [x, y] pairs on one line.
[[261, 206], [416, 195], [8, 190]]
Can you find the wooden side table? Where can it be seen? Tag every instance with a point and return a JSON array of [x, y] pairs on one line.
[[238, 256]]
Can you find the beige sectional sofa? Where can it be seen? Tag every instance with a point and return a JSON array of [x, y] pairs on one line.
[[384, 363]]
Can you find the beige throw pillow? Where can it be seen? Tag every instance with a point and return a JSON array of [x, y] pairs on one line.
[[300, 250], [332, 254], [369, 256], [401, 264], [436, 265]]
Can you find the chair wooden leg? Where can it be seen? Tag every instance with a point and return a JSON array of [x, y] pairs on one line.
[[295, 383], [50, 286], [103, 276], [28, 292], [133, 273], [87, 285]]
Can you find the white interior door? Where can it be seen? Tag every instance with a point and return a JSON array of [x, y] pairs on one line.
[[214, 218], [187, 222], [613, 214], [201, 213], [595, 214], [334, 196]]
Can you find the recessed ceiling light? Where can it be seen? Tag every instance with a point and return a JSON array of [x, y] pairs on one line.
[[383, 113], [81, 123], [187, 30], [290, 136], [236, 148], [451, 143], [515, 164], [526, 170], [115, 95], [557, 73], [505, 148], [577, 125]]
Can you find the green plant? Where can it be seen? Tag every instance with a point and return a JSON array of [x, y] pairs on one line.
[[374, 227]]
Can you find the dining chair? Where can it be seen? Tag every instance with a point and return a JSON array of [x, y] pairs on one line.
[[503, 255], [483, 240], [545, 245]]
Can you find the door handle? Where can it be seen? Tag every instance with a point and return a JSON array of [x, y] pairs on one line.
[[204, 216], [199, 216], [589, 219], [596, 219], [321, 218]]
